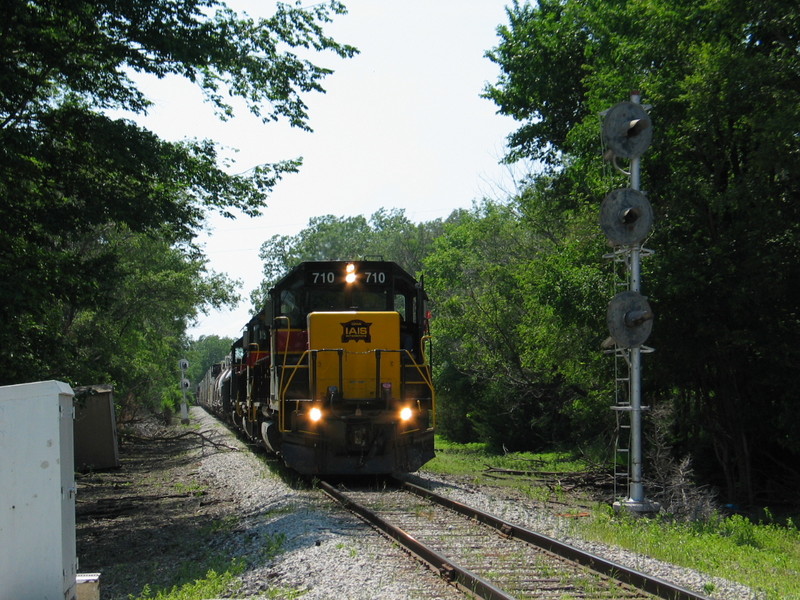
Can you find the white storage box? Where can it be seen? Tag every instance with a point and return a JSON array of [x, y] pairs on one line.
[[37, 492]]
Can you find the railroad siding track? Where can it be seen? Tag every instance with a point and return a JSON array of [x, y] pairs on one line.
[[489, 558]]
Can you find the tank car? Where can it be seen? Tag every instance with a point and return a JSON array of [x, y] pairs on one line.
[[333, 374], [213, 391]]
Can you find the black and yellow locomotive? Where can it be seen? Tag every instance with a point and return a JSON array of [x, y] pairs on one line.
[[332, 374]]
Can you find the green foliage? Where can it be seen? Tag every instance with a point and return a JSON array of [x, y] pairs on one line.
[[542, 61], [171, 399], [204, 352], [199, 582], [516, 315], [83, 48], [456, 396], [272, 545], [129, 330], [476, 304], [99, 274], [722, 77], [472, 459], [386, 234], [763, 556]]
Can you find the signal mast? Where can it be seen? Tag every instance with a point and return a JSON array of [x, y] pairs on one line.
[[626, 218]]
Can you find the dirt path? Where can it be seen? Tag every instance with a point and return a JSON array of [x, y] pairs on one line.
[[138, 523]]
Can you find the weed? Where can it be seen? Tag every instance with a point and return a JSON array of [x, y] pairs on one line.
[[272, 545], [424, 510], [352, 551], [538, 493], [193, 586], [284, 593], [193, 489], [763, 557], [281, 510], [226, 524]]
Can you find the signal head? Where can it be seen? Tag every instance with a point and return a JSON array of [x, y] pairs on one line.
[[626, 130], [629, 319], [626, 217]]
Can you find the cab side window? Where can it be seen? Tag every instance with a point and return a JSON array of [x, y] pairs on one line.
[[290, 307]]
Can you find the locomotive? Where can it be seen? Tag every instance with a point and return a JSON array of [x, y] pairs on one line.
[[333, 373]]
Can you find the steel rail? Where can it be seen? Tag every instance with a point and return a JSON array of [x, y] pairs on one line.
[[648, 583], [447, 569]]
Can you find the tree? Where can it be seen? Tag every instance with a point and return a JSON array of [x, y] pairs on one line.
[[723, 78], [324, 238], [518, 318], [134, 332], [396, 238], [542, 60], [387, 234], [98, 215], [204, 352], [83, 48]]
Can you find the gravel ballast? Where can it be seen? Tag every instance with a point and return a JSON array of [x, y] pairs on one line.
[[323, 551], [328, 553]]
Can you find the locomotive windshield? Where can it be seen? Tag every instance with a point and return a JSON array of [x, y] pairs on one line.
[[348, 299], [296, 305]]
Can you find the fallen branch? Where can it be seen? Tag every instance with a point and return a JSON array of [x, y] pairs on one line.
[[202, 435], [551, 474]]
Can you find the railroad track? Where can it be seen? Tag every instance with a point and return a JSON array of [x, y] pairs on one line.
[[489, 558]]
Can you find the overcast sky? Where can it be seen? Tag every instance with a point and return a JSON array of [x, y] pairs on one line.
[[402, 125]]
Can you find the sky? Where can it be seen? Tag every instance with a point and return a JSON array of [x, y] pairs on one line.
[[401, 125]]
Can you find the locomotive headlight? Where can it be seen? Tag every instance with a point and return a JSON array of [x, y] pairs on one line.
[[406, 413], [350, 273], [315, 414]]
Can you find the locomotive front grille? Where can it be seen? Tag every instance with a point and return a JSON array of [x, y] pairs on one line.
[[358, 435]]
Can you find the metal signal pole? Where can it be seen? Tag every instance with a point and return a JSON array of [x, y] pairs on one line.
[[183, 364], [626, 218], [636, 490]]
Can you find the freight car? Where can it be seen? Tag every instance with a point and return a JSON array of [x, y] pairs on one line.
[[333, 373]]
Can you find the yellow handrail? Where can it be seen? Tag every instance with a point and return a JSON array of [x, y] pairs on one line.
[[419, 366], [284, 387], [422, 341]]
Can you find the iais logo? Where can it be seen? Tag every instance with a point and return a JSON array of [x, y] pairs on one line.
[[356, 331]]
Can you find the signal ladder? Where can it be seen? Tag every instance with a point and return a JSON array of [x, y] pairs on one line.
[[622, 380]]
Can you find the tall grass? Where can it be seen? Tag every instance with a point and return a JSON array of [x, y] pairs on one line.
[[763, 554], [198, 581]]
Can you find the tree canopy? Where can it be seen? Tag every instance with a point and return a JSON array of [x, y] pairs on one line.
[[100, 277], [723, 78], [387, 233]]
